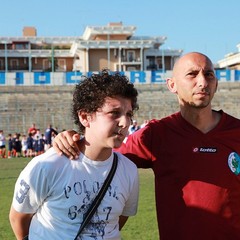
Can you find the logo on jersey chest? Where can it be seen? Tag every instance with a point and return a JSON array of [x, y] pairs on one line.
[[234, 163], [205, 150]]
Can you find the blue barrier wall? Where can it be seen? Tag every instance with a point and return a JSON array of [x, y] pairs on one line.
[[70, 78], [73, 77], [19, 78], [138, 77], [227, 75], [157, 77], [2, 78], [237, 75], [42, 78]]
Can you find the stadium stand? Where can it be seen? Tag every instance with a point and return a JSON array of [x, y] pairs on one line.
[[20, 106]]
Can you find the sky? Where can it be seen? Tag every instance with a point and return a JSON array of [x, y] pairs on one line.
[[208, 26]]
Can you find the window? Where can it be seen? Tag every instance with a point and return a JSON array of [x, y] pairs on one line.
[[61, 65], [14, 64], [20, 46], [46, 64], [130, 56], [1, 65]]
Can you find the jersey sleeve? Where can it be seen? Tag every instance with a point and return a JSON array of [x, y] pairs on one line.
[[138, 147]]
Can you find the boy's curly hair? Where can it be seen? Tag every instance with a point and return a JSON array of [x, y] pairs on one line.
[[89, 95]]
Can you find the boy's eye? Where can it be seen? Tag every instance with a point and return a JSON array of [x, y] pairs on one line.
[[115, 113]]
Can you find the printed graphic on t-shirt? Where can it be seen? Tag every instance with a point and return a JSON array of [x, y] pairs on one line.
[[96, 225], [86, 193], [23, 191]]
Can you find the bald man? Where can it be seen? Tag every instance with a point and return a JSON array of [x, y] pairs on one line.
[[194, 154]]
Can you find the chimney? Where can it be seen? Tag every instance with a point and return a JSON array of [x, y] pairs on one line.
[[29, 32]]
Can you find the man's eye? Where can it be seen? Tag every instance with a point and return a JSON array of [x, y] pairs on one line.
[[210, 75], [191, 74]]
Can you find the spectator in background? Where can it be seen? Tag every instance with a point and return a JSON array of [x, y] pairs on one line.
[[17, 145], [49, 134], [38, 134], [144, 123], [134, 127], [38, 145], [24, 145], [32, 130], [10, 146], [2, 144], [30, 151]]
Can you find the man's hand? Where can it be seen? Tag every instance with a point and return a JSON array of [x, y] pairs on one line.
[[66, 143]]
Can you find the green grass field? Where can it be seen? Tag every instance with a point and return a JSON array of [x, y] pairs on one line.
[[143, 226]]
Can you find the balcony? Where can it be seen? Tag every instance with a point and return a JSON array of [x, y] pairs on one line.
[[130, 61], [40, 53]]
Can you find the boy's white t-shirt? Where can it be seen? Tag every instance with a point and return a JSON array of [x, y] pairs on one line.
[[60, 191]]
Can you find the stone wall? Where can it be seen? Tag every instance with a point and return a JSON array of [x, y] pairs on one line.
[[20, 106]]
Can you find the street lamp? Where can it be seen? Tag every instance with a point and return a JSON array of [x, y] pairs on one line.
[[5, 55], [52, 58], [108, 50]]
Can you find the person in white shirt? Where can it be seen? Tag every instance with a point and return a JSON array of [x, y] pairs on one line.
[[2, 144], [53, 193]]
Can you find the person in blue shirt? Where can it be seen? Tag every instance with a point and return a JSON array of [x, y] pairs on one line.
[[48, 135]]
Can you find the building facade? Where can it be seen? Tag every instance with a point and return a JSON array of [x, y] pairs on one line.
[[230, 60], [113, 46]]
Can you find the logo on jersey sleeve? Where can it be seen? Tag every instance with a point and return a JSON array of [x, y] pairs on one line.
[[234, 163]]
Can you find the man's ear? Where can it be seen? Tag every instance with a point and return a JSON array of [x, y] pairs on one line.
[[84, 118], [171, 85]]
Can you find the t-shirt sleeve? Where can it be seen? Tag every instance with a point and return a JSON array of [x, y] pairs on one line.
[[31, 188], [131, 205]]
